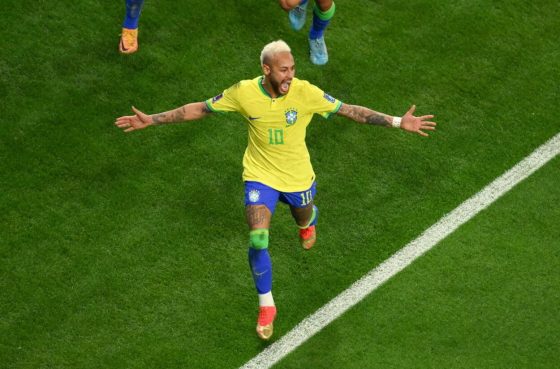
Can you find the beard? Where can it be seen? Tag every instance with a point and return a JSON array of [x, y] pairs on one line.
[[275, 86], [280, 87]]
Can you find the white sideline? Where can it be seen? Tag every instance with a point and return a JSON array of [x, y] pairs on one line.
[[404, 257]]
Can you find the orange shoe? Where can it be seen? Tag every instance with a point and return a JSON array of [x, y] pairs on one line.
[[307, 237], [265, 328], [129, 41]]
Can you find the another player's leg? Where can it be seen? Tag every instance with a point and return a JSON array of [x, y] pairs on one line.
[[297, 15], [129, 36], [323, 12], [297, 9], [260, 204]]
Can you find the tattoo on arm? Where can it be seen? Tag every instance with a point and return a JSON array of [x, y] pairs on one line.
[[178, 114], [186, 112], [375, 118], [362, 114], [172, 116], [158, 118]]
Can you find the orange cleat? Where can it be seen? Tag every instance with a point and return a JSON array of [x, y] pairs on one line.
[[129, 41], [265, 328], [307, 237]]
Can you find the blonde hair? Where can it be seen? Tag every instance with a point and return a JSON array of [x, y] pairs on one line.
[[273, 48]]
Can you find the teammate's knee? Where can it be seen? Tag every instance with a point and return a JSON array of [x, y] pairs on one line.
[[324, 5], [325, 11], [258, 239], [288, 4]]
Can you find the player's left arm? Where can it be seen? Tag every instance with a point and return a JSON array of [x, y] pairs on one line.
[[407, 122]]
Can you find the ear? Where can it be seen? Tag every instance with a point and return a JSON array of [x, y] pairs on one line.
[[266, 69]]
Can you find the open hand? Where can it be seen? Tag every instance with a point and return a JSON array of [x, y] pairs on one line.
[[133, 122], [417, 124]]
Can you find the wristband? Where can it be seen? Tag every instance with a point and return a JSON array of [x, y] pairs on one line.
[[396, 122]]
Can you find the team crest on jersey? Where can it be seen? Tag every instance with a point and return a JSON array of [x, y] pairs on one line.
[[291, 116], [329, 98], [254, 195], [217, 97]]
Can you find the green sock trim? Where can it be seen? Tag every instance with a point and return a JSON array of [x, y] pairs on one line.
[[258, 239], [313, 216], [327, 15]]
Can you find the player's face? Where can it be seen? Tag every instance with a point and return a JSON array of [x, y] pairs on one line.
[[280, 72]]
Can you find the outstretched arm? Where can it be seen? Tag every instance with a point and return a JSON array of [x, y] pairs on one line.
[[408, 122], [141, 120]]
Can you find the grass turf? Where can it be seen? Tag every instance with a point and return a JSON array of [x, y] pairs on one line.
[[130, 250], [484, 297]]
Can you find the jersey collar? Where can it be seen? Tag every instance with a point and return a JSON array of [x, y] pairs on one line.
[[264, 91]]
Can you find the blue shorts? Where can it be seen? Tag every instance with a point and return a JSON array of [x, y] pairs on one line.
[[257, 193]]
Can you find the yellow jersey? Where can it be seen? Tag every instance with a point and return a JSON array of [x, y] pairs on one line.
[[276, 153]]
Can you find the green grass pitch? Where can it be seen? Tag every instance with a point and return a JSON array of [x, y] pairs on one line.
[[129, 251]]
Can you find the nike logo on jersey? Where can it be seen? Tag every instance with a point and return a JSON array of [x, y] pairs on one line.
[[253, 118]]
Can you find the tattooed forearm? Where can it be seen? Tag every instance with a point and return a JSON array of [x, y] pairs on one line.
[[190, 111], [361, 114], [158, 118], [172, 116], [186, 112], [376, 118], [178, 115]]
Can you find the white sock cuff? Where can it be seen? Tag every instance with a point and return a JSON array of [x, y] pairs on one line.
[[266, 299]]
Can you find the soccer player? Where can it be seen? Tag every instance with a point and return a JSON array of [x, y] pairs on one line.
[[323, 11], [129, 35], [276, 166]]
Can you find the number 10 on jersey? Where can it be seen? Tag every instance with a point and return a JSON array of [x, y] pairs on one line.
[[275, 136]]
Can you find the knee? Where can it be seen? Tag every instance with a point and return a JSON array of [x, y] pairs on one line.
[[288, 4], [324, 5], [258, 239]]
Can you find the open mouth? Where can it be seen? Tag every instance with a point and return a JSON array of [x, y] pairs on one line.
[[284, 87]]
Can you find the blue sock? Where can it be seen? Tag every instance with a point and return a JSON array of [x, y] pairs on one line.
[[133, 10], [320, 21], [261, 268], [303, 2]]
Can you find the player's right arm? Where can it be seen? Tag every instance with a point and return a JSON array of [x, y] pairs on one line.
[[141, 120]]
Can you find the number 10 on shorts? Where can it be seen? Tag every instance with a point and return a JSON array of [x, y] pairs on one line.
[[306, 197]]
